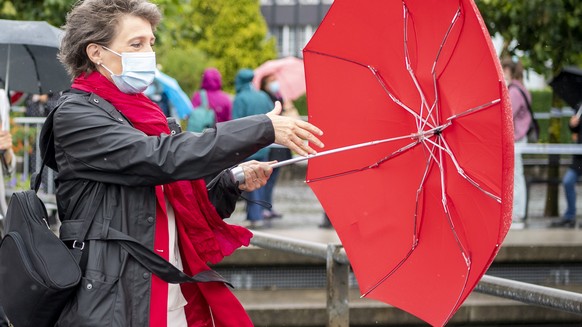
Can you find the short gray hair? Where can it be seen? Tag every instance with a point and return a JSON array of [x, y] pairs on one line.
[[96, 21]]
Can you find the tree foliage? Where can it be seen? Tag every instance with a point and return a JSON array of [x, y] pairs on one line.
[[548, 32], [194, 34], [52, 11], [234, 35]]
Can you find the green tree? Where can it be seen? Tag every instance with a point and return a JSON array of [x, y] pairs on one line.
[[194, 34], [234, 35], [52, 11], [549, 32], [549, 35]]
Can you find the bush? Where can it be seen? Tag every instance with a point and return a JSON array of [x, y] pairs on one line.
[[301, 105]]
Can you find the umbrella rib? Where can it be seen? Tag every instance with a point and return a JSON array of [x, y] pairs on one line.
[[415, 238], [378, 77], [420, 122], [445, 147], [372, 288], [446, 37], [374, 165], [380, 80], [35, 67], [433, 72], [475, 109], [462, 249]]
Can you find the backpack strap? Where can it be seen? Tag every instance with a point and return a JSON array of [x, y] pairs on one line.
[[204, 99], [145, 256], [36, 179], [528, 104]]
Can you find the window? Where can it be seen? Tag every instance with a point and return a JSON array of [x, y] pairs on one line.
[[309, 2], [285, 2]]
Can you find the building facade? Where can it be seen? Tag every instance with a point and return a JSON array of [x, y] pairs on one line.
[[293, 22]]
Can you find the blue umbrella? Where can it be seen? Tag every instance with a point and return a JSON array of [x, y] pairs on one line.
[[175, 94]]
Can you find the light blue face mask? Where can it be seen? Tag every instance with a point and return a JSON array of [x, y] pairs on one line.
[[139, 70], [274, 87]]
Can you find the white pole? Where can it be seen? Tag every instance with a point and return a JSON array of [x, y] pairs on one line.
[[5, 114]]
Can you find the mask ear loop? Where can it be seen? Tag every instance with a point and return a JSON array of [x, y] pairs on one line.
[[106, 48], [102, 65], [107, 69]]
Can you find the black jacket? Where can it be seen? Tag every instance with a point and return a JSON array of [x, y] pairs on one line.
[[97, 148]]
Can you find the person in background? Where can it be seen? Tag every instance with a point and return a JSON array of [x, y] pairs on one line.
[[114, 152], [249, 101], [519, 96], [570, 178], [271, 87], [156, 93], [218, 100], [39, 105]]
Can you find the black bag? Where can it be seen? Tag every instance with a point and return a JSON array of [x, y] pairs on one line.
[[38, 273]]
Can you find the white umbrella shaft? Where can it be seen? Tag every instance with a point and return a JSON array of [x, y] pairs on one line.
[[240, 177]]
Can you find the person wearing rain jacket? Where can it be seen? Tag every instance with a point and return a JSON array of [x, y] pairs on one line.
[[218, 100], [114, 153], [249, 101]]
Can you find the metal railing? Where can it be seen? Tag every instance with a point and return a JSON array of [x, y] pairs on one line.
[[31, 157], [338, 267]]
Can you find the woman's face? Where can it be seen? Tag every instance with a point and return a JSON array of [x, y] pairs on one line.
[[134, 34], [507, 74]]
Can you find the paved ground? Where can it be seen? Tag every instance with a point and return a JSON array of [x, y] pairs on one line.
[[301, 209]]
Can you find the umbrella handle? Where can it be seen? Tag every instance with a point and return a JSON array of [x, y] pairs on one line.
[[239, 175]]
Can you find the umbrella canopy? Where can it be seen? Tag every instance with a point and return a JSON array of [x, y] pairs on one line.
[[28, 57], [568, 86], [423, 212], [289, 72], [175, 94]]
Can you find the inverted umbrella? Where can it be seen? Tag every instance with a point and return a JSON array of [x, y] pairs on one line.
[[568, 86], [423, 212], [28, 57], [288, 71]]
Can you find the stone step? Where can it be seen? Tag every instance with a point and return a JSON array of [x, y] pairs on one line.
[[290, 308], [558, 246]]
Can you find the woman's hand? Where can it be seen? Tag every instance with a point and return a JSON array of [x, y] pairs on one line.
[[574, 121], [5, 140], [6, 145], [256, 174], [292, 133]]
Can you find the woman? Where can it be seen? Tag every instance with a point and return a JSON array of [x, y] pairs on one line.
[[271, 86], [519, 97], [111, 140], [249, 101], [218, 100]]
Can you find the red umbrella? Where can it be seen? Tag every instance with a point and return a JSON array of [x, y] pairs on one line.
[[423, 213], [289, 72]]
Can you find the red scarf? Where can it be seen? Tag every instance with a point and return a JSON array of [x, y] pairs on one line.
[[203, 235]]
